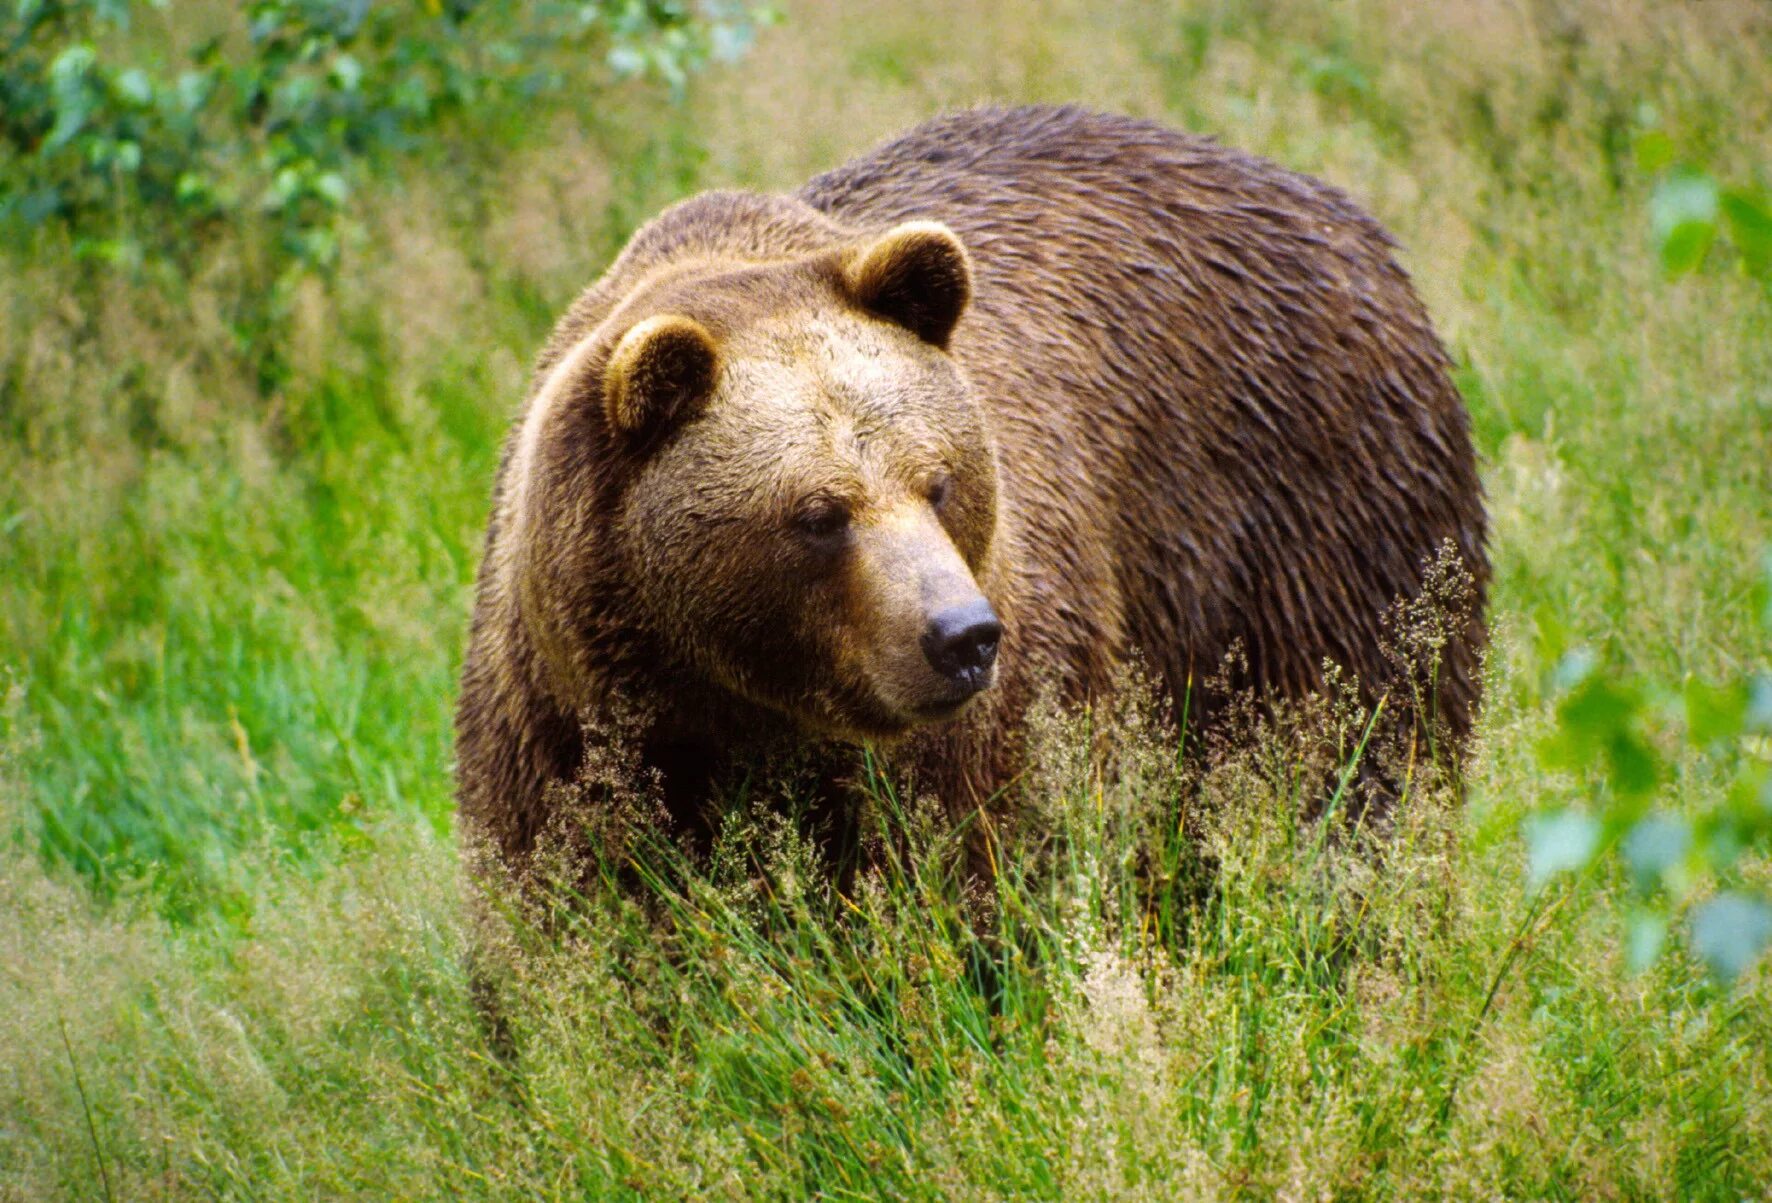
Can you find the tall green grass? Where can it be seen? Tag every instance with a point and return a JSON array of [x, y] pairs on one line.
[[232, 600]]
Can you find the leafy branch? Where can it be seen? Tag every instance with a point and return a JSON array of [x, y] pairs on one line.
[[1611, 727], [283, 115]]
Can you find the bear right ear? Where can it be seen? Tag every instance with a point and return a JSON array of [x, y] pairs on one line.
[[661, 371], [916, 274]]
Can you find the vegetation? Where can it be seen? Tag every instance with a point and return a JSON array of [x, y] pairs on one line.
[[241, 494]]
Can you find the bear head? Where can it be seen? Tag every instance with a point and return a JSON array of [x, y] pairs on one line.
[[768, 476]]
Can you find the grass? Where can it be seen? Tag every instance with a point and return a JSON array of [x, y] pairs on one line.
[[233, 593]]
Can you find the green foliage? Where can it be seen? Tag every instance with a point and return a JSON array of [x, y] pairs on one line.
[[1611, 731], [141, 157], [1690, 213]]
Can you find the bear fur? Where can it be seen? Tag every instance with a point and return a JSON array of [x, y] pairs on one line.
[[1149, 397]]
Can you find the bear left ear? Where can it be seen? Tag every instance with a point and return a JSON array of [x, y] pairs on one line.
[[661, 371], [916, 274]]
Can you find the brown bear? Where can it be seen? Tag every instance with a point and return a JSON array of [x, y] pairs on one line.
[[981, 415]]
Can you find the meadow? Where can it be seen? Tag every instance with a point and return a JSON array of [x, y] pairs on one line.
[[237, 547]]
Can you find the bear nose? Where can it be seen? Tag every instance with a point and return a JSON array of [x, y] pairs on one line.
[[961, 641]]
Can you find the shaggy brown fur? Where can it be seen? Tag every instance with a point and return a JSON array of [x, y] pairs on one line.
[[1147, 395]]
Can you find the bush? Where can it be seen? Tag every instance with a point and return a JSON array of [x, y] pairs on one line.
[[283, 116]]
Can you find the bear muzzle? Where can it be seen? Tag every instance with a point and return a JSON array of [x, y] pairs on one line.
[[926, 637], [960, 643], [930, 673]]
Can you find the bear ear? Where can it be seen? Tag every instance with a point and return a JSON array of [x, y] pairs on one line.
[[916, 274], [661, 371]]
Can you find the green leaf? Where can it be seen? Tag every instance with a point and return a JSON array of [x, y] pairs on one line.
[[193, 90], [347, 71], [1683, 216], [1715, 713], [626, 61], [317, 247], [1759, 703], [70, 119], [109, 250], [70, 67], [1685, 246], [1685, 196], [1560, 843], [73, 98], [1633, 767], [285, 188], [1646, 934], [1750, 795], [1750, 229], [1599, 709], [133, 86], [1597, 729], [191, 188], [331, 187], [1573, 667], [1656, 845], [293, 96], [1730, 931]]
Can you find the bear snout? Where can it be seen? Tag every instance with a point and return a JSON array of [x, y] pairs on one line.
[[961, 643]]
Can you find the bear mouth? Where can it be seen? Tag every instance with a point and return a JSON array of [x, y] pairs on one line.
[[956, 699], [875, 713]]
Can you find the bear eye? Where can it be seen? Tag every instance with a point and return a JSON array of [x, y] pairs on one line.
[[822, 520], [940, 489]]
